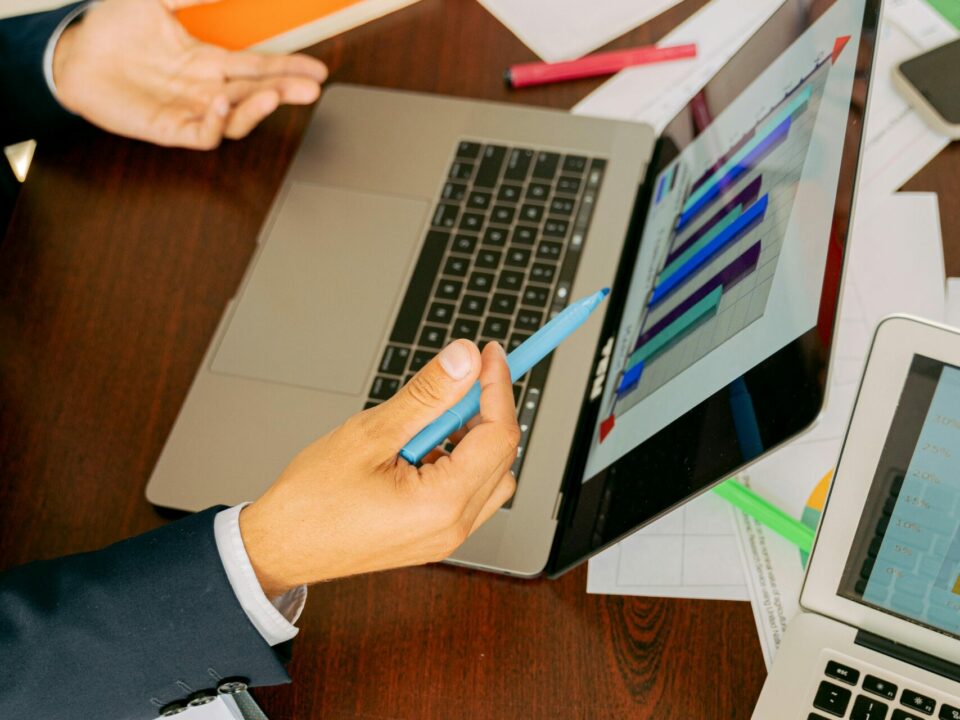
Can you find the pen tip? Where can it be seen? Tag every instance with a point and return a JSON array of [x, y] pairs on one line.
[[604, 293]]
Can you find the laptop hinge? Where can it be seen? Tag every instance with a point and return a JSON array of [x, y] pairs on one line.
[[919, 659], [556, 507]]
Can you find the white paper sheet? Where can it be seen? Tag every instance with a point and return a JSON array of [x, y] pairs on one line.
[[952, 314], [565, 29], [690, 553], [654, 94], [898, 141], [223, 708], [895, 265]]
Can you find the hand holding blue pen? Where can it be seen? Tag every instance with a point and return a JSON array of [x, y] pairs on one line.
[[520, 361]]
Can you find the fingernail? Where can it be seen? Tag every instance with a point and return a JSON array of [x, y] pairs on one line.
[[455, 360]]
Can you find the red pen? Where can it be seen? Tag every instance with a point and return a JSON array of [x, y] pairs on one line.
[[592, 65]]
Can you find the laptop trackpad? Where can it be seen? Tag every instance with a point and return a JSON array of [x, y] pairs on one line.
[[327, 280]]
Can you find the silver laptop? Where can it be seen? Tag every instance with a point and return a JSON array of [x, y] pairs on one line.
[[878, 635], [408, 220]]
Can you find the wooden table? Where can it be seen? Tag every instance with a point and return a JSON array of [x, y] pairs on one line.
[[113, 275]]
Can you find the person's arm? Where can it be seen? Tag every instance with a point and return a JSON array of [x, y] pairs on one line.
[[29, 109], [127, 630], [124, 631]]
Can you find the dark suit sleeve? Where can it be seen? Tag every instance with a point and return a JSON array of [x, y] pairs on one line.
[[120, 632], [27, 108]]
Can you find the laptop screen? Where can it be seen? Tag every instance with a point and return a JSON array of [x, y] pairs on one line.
[[720, 322], [906, 553]]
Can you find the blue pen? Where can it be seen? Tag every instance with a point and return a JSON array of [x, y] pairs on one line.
[[531, 351]]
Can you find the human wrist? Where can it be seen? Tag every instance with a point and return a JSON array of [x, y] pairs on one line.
[[265, 552]]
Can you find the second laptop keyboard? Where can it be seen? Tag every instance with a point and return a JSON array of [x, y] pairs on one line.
[[497, 262]]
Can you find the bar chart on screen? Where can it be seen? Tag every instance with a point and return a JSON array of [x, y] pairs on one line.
[[719, 262]]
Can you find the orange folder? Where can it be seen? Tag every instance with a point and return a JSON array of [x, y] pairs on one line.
[[236, 24]]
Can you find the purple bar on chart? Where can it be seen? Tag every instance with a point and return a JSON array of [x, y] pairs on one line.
[[733, 273], [662, 184], [744, 197], [767, 145], [631, 378], [723, 158]]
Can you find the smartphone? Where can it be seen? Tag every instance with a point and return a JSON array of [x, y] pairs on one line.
[[931, 82]]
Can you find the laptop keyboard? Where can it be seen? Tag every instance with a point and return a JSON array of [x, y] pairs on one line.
[[498, 261], [867, 693]]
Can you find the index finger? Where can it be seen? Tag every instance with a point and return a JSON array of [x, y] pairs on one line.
[[253, 65], [491, 446]]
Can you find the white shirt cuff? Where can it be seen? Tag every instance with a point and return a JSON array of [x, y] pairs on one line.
[[273, 619], [52, 44]]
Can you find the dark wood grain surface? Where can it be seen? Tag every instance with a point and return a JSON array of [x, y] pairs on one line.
[[113, 274]]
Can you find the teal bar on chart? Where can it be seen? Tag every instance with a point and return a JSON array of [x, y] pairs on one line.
[[771, 125], [678, 327]]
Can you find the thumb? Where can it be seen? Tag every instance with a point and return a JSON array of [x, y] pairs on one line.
[[433, 390]]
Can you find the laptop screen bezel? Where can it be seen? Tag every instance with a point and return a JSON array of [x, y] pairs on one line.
[[896, 342], [582, 506]]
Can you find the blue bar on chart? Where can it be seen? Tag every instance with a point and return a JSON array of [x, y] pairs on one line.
[[754, 214], [630, 379], [744, 198], [773, 133]]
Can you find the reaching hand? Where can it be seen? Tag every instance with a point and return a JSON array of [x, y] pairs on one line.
[[131, 68], [348, 504]]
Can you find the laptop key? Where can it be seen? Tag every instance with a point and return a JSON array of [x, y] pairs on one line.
[[384, 387], [575, 164], [473, 305], [496, 328], [536, 296], [488, 258], [394, 360], [445, 216], [418, 291], [503, 214], [543, 272], [420, 358], [949, 712], [461, 171], [503, 303], [490, 163], [529, 320], [454, 192], [447, 290], [538, 191], [509, 193], [867, 708], [432, 337], [456, 266], [549, 250], [875, 685], [916, 701], [518, 257], [480, 282], [497, 237], [440, 313], [466, 328], [464, 244], [510, 280], [545, 166], [842, 673], [569, 185], [479, 200], [904, 715], [832, 699], [561, 206], [467, 149], [556, 228], [471, 222], [523, 235], [515, 340], [531, 213], [518, 165]]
